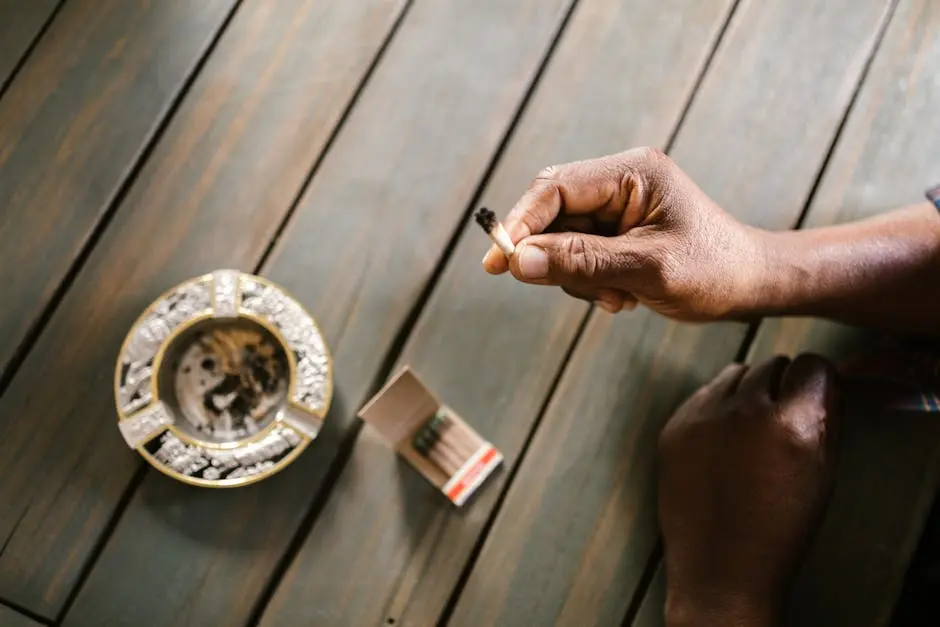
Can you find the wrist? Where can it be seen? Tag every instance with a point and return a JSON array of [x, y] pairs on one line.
[[687, 608], [770, 275], [789, 278]]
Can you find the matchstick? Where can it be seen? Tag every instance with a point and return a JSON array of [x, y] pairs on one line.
[[466, 436], [451, 449], [446, 442], [445, 463], [494, 228], [438, 441], [427, 443], [462, 443], [456, 460]]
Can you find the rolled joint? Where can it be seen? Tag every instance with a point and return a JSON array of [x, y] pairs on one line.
[[501, 238]]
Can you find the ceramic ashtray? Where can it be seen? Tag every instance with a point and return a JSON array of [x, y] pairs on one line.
[[223, 380]]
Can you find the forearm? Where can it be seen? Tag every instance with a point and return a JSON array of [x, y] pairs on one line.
[[883, 272]]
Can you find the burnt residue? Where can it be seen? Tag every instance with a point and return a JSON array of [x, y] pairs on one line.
[[426, 437], [486, 219], [250, 372]]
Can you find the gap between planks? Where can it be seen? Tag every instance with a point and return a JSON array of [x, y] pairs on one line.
[[111, 206], [401, 337], [754, 328], [22, 611], [348, 442], [29, 51], [643, 589], [33, 334], [645, 581], [143, 469]]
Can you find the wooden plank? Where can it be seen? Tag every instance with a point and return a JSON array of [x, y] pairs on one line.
[[366, 239], [578, 525], [652, 607], [82, 109], [387, 547], [889, 466], [20, 23], [213, 193], [11, 618]]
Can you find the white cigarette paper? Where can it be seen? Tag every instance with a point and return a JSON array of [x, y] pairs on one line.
[[501, 238], [495, 230]]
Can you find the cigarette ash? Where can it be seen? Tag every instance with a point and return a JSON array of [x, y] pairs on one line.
[[486, 219]]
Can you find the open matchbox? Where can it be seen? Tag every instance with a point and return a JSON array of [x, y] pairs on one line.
[[436, 441]]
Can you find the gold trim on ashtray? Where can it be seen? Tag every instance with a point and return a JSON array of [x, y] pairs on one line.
[[148, 422]]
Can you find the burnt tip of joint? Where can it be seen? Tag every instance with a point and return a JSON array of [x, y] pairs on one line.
[[486, 219]]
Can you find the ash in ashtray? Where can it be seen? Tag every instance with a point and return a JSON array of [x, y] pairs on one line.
[[229, 381]]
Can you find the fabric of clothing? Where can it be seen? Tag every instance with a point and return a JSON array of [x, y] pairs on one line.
[[896, 374], [933, 195]]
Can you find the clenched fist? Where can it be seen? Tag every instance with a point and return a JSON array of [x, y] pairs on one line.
[[745, 473]]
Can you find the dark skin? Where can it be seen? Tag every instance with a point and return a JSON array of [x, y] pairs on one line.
[[747, 462], [649, 235], [746, 470]]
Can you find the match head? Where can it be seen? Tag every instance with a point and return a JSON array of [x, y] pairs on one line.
[[421, 443], [486, 219], [435, 423]]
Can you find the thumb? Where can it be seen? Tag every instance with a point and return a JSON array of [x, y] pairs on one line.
[[576, 260]]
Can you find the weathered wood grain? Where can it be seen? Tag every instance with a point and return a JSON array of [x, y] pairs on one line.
[[652, 607], [367, 237], [388, 547], [10, 618], [20, 23], [889, 467], [213, 193], [578, 525], [82, 109]]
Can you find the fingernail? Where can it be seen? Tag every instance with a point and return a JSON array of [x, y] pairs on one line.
[[607, 306], [533, 262]]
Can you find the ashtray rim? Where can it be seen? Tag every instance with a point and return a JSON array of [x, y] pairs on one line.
[[299, 420]]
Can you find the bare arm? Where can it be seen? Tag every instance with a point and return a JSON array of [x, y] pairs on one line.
[[882, 272], [632, 229]]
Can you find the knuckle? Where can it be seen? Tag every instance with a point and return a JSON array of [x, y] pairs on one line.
[[650, 154], [649, 158], [653, 169], [811, 376], [805, 430], [542, 187], [573, 171], [549, 173], [584, 259], [536, 209]]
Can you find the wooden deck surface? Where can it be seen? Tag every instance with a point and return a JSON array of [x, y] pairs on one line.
[[338, 148]]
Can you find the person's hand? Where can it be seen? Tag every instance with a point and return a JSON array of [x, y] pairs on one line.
[[745, 473], [631, 228]]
